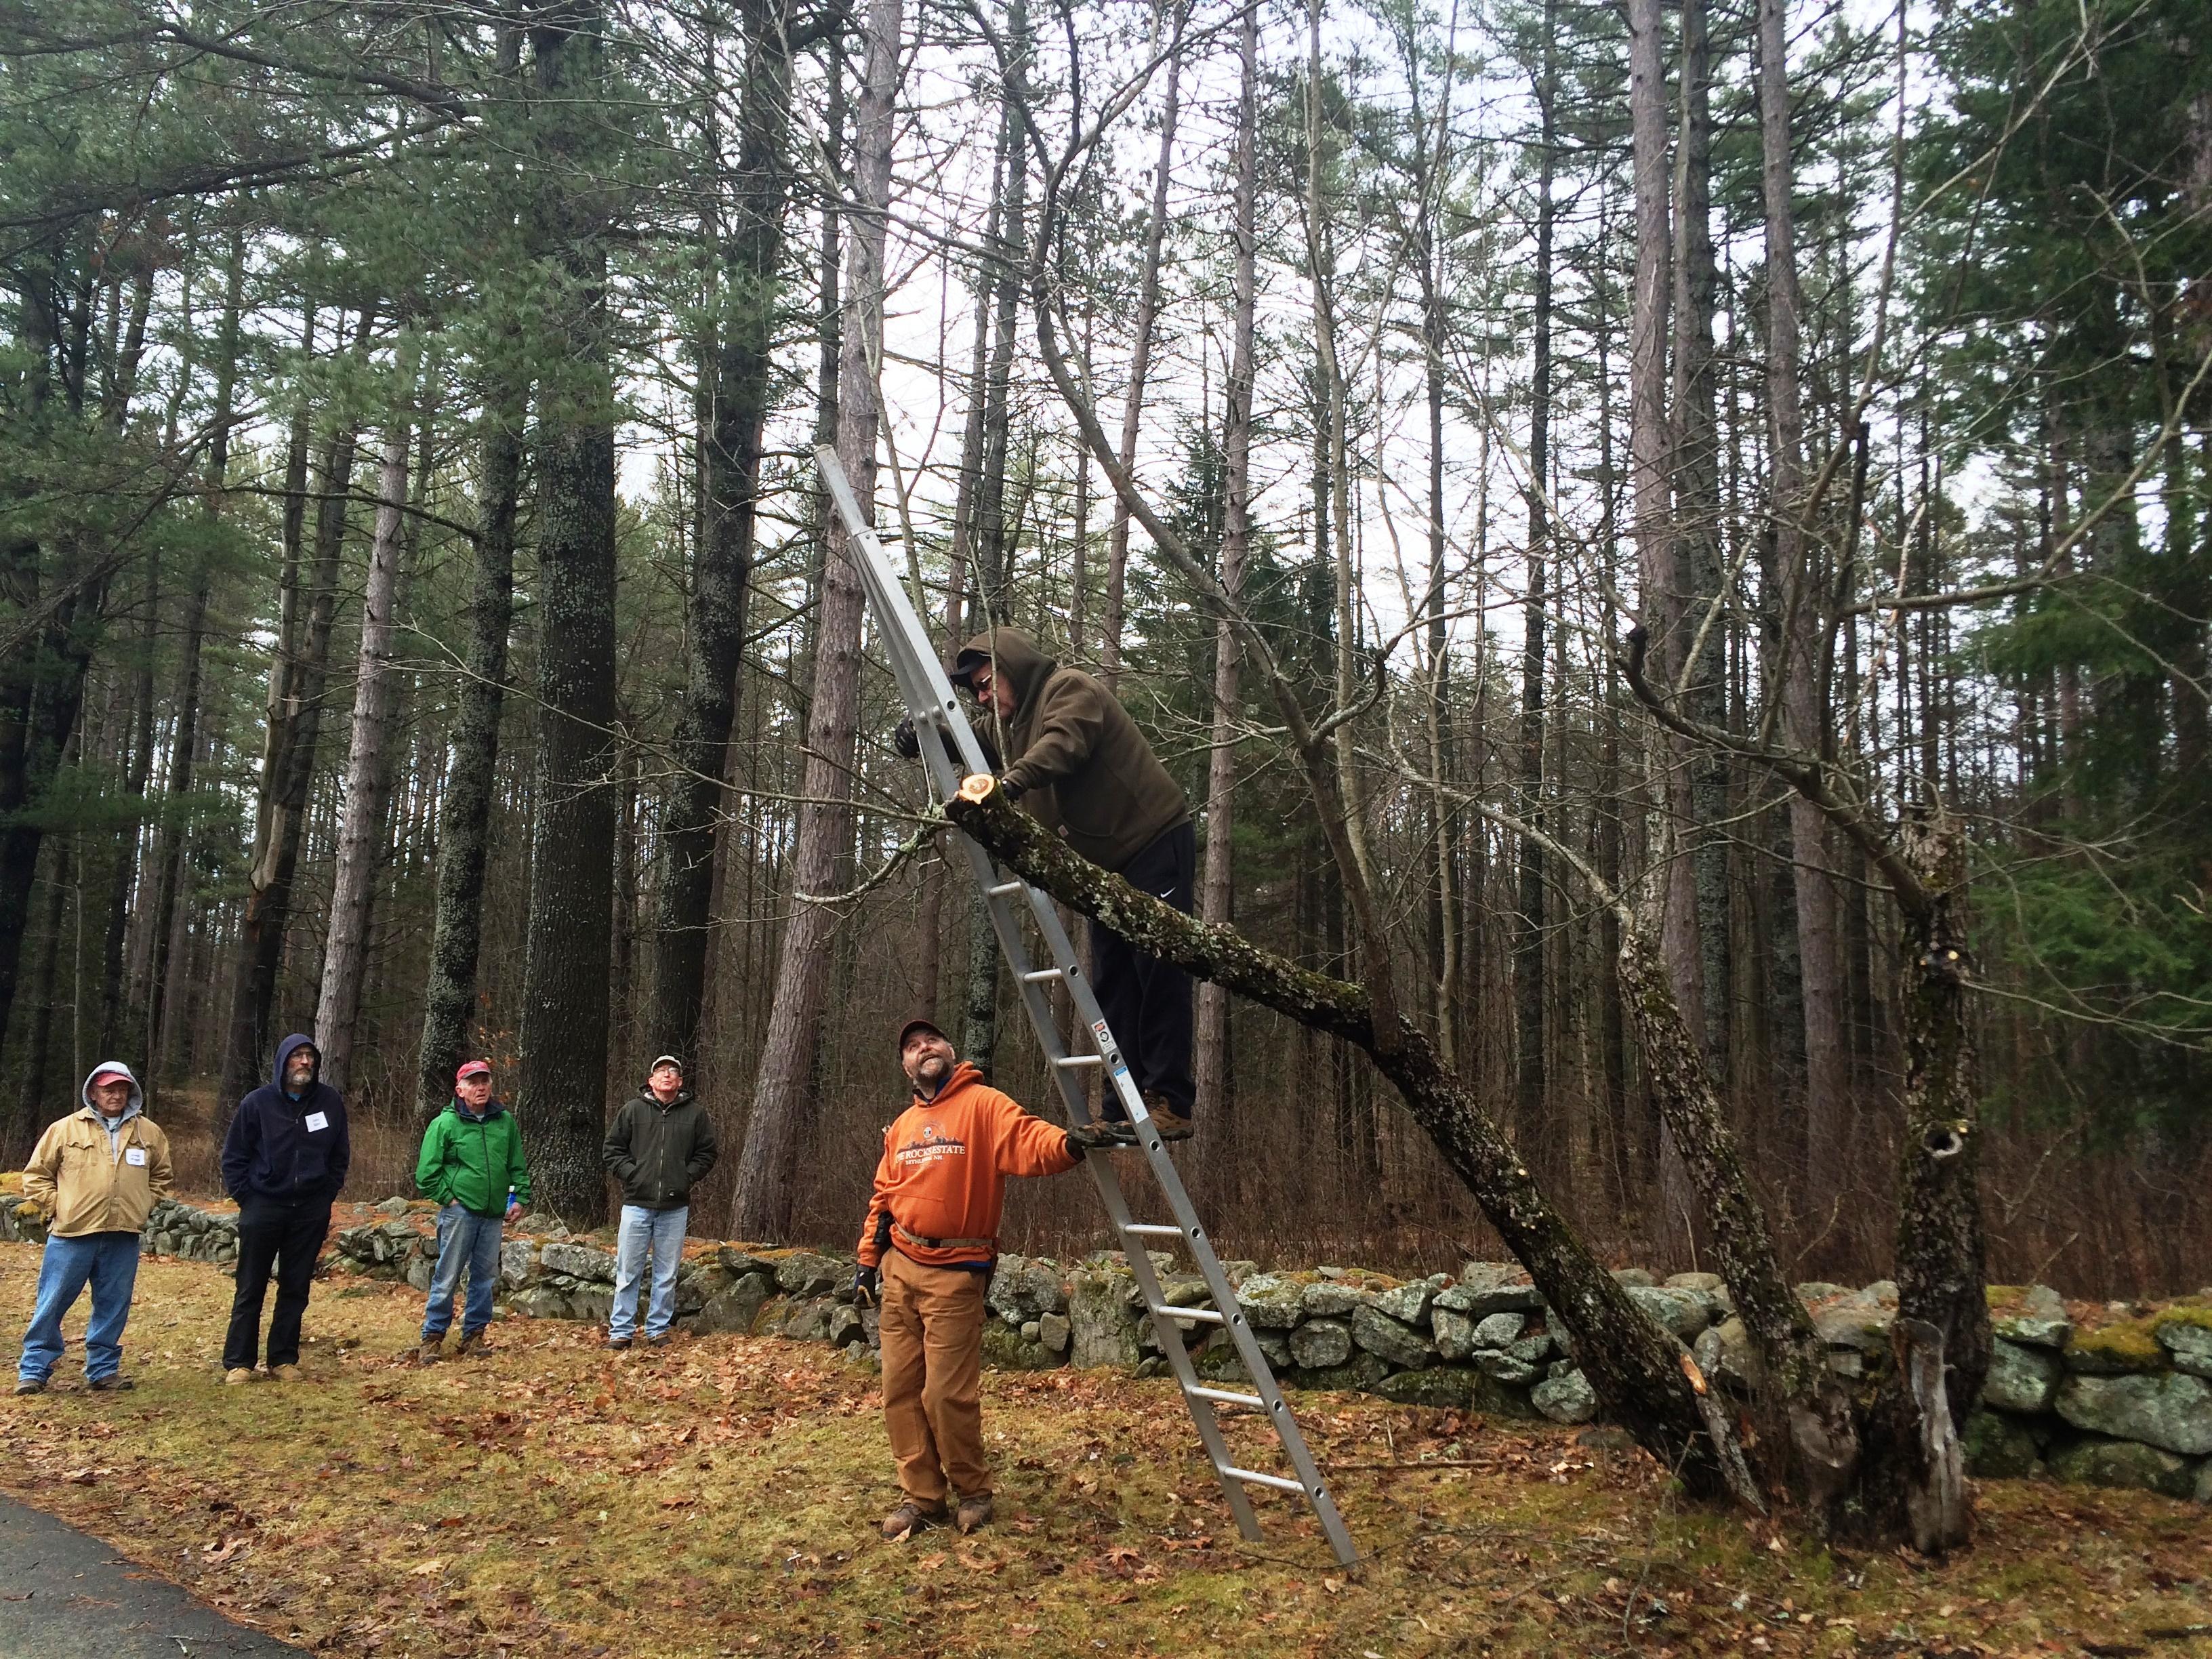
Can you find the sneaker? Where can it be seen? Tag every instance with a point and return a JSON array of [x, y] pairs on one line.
[[471, 1342], [238, 1374], [975, 1513], [31, 1385], [113, 1382], [910, 1518], [618, 1343], [286, 1373]]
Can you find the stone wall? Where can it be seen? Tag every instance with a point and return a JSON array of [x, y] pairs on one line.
[[2107, 1396]]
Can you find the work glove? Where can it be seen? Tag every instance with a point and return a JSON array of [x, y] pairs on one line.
[[1010, 790], [868, 1287], [1089, 1138], [904, 739]]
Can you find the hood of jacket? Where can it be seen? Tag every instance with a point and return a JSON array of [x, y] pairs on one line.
[[137, 1092], [493, 1108], [1017, 658], [645, 1093], [285, 1050]]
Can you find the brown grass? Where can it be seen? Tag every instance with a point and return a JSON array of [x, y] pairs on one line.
[[719, 1498]]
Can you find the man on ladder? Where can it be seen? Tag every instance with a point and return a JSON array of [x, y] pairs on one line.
[[1080, 765]]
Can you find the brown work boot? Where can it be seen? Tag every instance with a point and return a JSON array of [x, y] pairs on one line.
[[432, 1351], [471, 1342], [910, 1518], [974, 1513]]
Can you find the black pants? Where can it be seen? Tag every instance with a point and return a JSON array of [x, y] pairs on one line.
[[288, 1237], [1147, 1001]]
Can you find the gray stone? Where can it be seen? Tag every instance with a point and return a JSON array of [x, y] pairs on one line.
[[2097, 1463], [2190, 1347], [517, 1256], [542, 1302], [1724, 1351], [1218, 1362], [1362, 1371], [1854, 1325], [2204, 1482], [1277, 1349], [1330, 1298], [1453, 1333], [578, 1260], [1634, 1279], [740, 1260], [1438, 1386], [1407, 1304], [1504, 1367], [1030, 1330], [1697, 1283], [1239, 1271], [1500, 1330], [808, 1321], [1185, 1291], [1006, 1349], [1534, 1348], [2021, 1379], [846, 1325], [1399, 1344], [1102, 1331], [1270, 1302], [2173, 1413], [1024, 1288], [1882, 1293], [2000, 1448], [805, 1274], [1321, 1343], [2041, 1322], [735, 1307], [1819, 1290], [1677, 1311], [1567, 1399], [1052, 1331], [592, 1301], [421, 1270], [1490, 1287], [393, 1205]]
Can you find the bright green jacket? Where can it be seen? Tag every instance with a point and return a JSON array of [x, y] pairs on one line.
[[473, 1162]]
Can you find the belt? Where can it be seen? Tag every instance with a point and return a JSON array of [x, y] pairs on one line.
[[900, 1234]]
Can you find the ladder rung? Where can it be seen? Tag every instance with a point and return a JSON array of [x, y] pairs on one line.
[[1152, 1230], [1005, 888], [1080, 1059], [1252, 1477], [1228, 1397], [1204, 1316], [1040, 974]]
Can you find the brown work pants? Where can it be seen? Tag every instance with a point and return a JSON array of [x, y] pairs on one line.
[[932, 1351]]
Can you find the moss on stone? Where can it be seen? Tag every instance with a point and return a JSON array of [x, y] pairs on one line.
[[2129, 1346], [2197, 1314]]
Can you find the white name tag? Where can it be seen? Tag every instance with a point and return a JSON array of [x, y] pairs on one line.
[[318, 1121], [134, 1154]]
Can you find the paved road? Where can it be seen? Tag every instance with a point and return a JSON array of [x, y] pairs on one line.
[[64, 1595]]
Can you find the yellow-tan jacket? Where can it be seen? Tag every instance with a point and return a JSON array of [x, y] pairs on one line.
[[87, 1182]]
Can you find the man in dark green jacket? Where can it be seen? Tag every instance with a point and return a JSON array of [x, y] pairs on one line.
[[660, 1145], [472, 1167], [1080, 765]]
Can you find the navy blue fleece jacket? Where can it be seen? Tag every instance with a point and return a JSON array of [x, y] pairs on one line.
[[288, 1149]]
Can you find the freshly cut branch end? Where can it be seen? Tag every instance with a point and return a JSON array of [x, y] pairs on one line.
[[975, 788]]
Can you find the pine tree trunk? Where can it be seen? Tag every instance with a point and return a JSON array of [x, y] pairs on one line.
[[722, 577], [567, 965], [781, 1097], [367, 774], [1216, 882]]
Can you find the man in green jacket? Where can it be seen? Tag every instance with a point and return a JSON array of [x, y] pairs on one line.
[[473, 1168], [1079, 764]]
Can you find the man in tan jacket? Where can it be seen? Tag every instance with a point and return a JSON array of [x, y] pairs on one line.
[[94, 1176]]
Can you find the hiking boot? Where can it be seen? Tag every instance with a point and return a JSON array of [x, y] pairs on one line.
[[114, 1383], [286, 1373], [471, 1342], [619, 1344], [432, 1350], [910, 1518], [238, 1374], [658, 1339], [31, 1385], [975, 1513]]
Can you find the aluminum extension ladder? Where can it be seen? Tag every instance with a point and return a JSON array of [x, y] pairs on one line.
[[938, 718]]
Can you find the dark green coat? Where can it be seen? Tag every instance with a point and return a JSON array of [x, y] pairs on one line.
[[660, 1152]]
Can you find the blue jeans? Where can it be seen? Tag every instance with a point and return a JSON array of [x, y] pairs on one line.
[[468, 1240], [110, 1261], [662, 1230]]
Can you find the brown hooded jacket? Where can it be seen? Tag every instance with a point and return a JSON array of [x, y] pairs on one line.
[[1079, 762]]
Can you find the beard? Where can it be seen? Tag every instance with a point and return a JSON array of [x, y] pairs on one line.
[[932, 1070]]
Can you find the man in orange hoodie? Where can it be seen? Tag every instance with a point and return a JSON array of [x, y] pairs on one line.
[[926, 1255]]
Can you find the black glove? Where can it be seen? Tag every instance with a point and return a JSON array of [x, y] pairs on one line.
[[868, 1287], [1089, 1138], [903, 740], [1010, 789]]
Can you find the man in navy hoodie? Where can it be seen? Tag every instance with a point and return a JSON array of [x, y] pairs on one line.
[[284, 1161]]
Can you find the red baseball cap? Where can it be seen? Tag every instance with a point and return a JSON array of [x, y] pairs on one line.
[[470, 1068]]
